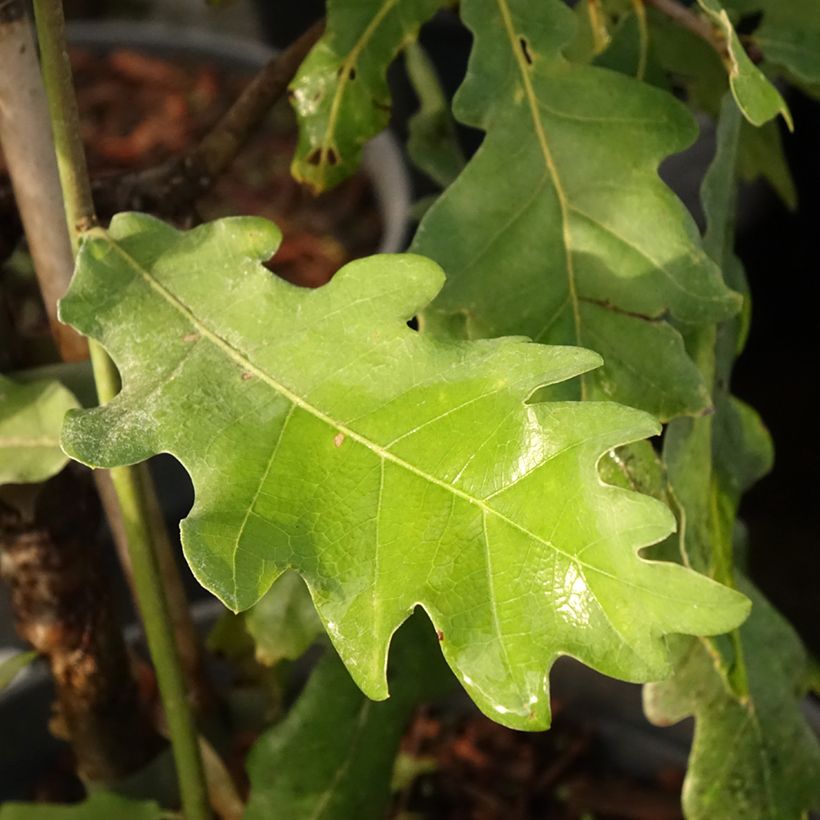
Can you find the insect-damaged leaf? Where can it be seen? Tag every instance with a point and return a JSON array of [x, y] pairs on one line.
[[756, 97], [340, 94], [388, 468], [559, 227]]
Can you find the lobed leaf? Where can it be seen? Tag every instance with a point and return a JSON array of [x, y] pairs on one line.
[[31, 415], [340, 93], [390, 469], [580, 242]]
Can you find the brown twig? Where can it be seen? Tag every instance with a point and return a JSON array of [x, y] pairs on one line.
[[63, 607], [169, 188]]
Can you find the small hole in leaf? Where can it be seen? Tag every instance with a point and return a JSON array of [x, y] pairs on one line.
[[314, 157], [332, 157], [525, 49]]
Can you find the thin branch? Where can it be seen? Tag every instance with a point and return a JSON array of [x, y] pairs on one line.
[[170, 188], [153, 604]]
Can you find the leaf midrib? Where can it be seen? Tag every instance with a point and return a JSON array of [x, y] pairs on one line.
[[549, 161]]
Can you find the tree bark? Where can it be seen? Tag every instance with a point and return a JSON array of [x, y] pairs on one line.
[[63, 607]]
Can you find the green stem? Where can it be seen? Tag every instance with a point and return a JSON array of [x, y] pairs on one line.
[[153, 605]]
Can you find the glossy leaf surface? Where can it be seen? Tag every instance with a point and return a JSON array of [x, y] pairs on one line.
[[388, 468], [340, 93], [31, 415], [756, 97], [332, 757], [580, 242]]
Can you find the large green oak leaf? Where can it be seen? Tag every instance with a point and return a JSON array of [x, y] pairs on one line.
[[559, 227], [390, 469]]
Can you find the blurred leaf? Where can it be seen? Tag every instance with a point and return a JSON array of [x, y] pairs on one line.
[[98, 806], [690, 62], [31, 416], [13, 665], [332, 757], [340, 93], [762, 155], [432, 142], [388, 468], [284, 623]]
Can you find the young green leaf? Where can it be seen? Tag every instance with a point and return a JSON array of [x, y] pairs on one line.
[[753, 757], [387, 467], [332, 757], [31, 415], [340, 94], [756, 97], [580, 242]]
